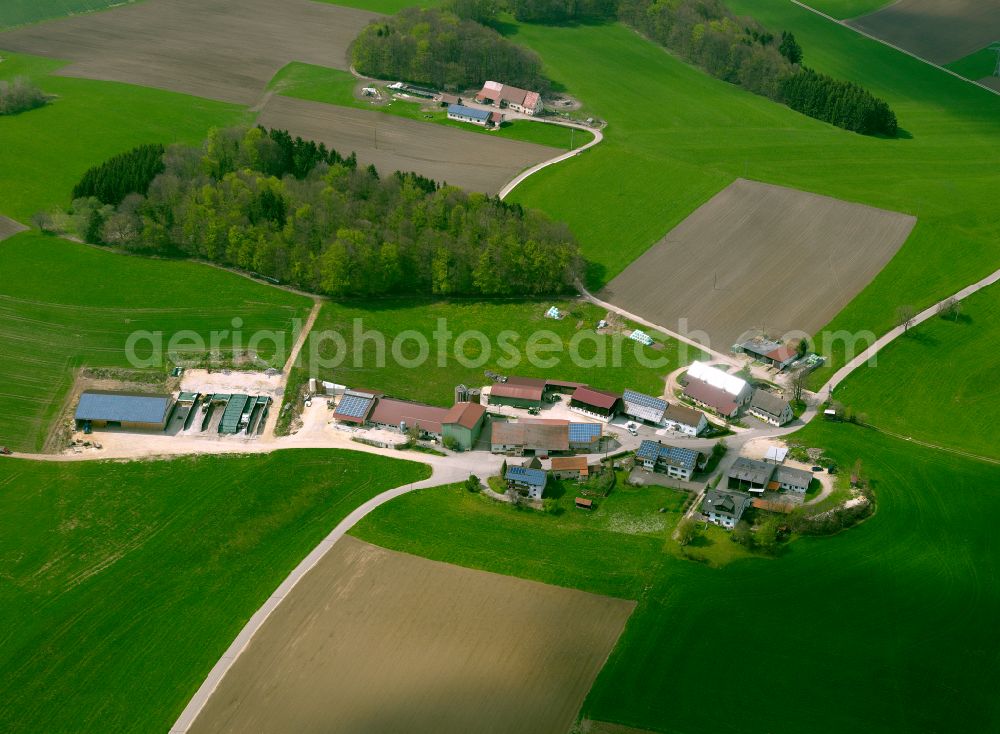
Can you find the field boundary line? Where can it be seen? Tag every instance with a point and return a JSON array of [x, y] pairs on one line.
[[254, 624], [935, 446], [588, 296], [893, 46], [523, 175]]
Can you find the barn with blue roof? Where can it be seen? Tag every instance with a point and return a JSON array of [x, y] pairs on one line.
[[135, 411], [483, 118]]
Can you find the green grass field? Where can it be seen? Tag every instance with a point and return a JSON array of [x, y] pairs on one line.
[[626, 521], [333, 86], [64, 305], [389, 7], [977, 65], [845, 9], [676, 137], [878, 629], [45, 151], [434, 381], [952, 365], [21, 12], [123, 583]]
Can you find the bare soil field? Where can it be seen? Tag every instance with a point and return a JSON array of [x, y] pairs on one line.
[[9, 228], [470, 160], [375, 641], [220, 49], [760, 257], [941, 31]]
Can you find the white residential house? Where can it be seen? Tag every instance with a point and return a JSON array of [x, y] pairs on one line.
[[724, 508], [685, 420], [770, 408]]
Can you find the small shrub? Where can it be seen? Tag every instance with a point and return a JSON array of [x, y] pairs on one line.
[[19, 96]]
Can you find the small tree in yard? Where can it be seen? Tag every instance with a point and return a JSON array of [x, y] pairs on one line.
[[451, 443], [514, 495], [687, 531], [742, 534], [904, 317], [766, 536], [472, 483], [503, 470], [799, 381]]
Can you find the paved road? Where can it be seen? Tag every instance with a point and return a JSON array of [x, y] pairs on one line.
[[184, 722], [598, 137], [890, 336]]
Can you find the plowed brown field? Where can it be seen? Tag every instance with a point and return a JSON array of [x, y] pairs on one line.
[[941, 31], [471, 160], [220, 49], [375, 641], [760, 257]]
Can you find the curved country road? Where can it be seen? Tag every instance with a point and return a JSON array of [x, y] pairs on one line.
[[598, 137]]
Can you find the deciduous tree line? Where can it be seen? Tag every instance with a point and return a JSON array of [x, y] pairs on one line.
[[437, 48], [295, 211], [737, 50], [742, 51]]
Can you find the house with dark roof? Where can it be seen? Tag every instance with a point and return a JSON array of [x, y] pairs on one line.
[[685, 420], [673, 461], [518, 392], [790, 479], [601, 404], [724, 508], [757, 476], [530, 482], [134, 411], [463, 424], [770, 408], [750, 474]]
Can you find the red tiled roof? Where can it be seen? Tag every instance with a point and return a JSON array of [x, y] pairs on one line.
[[782, 354], [714, 397], [391, 412], [598, 398], [551, 436], [561, 463], [769, 506], [519, 388], [466, 415]]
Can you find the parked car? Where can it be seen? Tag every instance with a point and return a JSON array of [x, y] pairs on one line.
[[817, 468]]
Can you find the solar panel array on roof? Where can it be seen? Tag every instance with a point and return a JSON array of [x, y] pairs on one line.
[[644, 407], [673, 455], [355, 405], [584, 432], [230, 423]]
